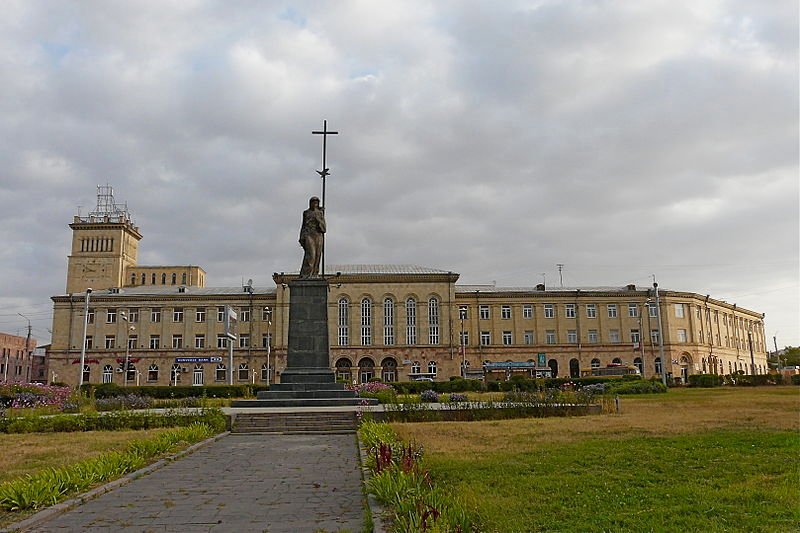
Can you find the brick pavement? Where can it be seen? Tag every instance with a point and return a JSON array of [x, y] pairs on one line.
[[240, 483]]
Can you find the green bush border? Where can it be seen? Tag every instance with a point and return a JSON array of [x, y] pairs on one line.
[[110, 390]]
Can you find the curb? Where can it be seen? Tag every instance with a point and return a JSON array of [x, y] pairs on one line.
[[67, 505], [379, 525]]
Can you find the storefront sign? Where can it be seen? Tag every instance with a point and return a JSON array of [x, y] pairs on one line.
[[198, 359]]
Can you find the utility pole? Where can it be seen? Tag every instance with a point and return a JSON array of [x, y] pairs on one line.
[[752, 358], [560, 276], [28, 356], [83, 345], [777, 357]]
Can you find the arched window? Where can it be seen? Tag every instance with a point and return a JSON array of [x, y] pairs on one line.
[[553, 364], [174, 278], [432, 367], [703, 360], [220, 373], [152, 373], [415, 368], [265, 372], [197, 375], [388, 321], [343, 367], [153, 278], [342, 321], [131, 374], [595, 363], [366, 369], [616, 361], [175, 374], [433, 321], [108, 374], [366, 322], [389, 369], [163, 278], [183, 278], [133, 278], [244, 372], [411, 321], [144, 278], [87, 372], [637, 362]]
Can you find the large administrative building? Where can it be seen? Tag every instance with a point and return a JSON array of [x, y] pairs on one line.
[[393, 322]]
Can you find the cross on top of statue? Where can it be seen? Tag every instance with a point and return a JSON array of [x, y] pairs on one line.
[[315, 254], [325, 170]]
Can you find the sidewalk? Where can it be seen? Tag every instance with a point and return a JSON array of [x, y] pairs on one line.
[[240, 483]]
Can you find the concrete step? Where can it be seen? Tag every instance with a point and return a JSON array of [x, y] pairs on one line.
[[300, 394], [279, 387], [307, 422], [304, 402]]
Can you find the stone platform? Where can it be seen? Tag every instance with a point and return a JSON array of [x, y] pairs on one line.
[[307, 380]]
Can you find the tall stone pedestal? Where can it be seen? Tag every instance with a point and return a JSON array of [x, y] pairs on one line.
[[308, 380]]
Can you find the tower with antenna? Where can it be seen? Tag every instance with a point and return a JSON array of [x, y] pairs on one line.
[[104, 244]]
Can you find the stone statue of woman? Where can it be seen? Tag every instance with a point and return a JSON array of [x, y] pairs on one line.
[[312, 238]]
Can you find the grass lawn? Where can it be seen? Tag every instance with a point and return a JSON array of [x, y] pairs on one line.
[[689, 460]]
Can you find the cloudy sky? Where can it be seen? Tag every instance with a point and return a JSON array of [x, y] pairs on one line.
[[494, 139]]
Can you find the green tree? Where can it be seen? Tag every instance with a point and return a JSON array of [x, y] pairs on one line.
[[791, 356]]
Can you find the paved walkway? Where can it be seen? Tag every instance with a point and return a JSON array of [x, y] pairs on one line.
[[240, 483]]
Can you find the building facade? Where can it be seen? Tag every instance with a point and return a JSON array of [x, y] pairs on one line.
[[17, 362], [393, 322]]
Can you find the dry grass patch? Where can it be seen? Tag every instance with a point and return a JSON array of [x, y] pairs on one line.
[[34, 451], [678, 412]]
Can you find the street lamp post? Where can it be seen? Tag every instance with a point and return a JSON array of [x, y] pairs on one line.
[[461, 313], [83, 345], [660, 337], [128, 330], [269, 341], [28, 357]]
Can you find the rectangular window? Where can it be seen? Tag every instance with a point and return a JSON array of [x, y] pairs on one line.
[[652, 310], [464, 338], [682, 335], [593, 336], [572, 336], [200, 314], [635, 337], [411, 322], [654, 336], [244, 340], [343, 321], [550, 336], [528, 337], [132, 340], [155, 315], [591, 311], [484, 312], [508, 339], [505, 312], [549, 311], [222, 341], [177, 342], [133, 315], [266, 314], [90, 316], [266, 340], [366, 322], [433, 321], [388, 322], [463, 312], [678, 310], [177, 314], [244, 314], [633, 311], [569, 310], [613, 336], [527, 311], [486, 338], [612, 310], [221, 314], [89, 342], [110, 342], [199, 341], [155, 342], [111, 316]]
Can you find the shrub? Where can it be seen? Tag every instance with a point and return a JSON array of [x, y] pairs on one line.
[[795, 379], [705, 380], [457, 398], [429, 396], [108, 390], [635, 387], [127, 401]]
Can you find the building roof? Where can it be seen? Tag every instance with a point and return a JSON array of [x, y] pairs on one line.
[[493, 288], [165, 290], [382, 269]]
